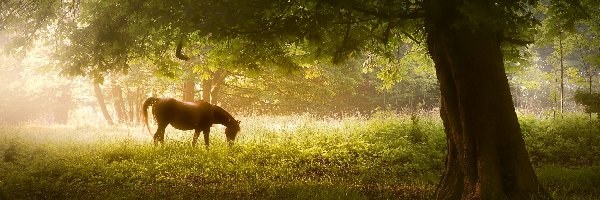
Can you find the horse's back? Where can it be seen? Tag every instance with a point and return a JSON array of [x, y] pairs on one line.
[[183, 115]]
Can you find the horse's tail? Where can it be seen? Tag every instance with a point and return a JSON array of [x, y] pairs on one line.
[[149, 102]]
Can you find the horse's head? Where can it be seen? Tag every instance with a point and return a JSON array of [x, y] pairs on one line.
[[231, 130]]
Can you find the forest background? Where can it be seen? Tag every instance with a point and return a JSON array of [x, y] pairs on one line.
[[544, 77]]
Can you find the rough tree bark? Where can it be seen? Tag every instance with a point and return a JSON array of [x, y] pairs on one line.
[[486, 156], [101, 103]]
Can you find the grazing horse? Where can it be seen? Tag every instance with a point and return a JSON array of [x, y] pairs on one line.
[[199, 116]]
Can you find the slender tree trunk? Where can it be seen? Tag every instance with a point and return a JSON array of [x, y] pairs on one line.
[[101, 103], [123, 104], [137, 105], [562, 77], [590, 82], [217, 83], [206, 91], [590, 77], [188, 90], [214, 94], [118, 103], [131, 105], [590, 73], [486, 156], [211, 86], [140, 97], [555, 97]]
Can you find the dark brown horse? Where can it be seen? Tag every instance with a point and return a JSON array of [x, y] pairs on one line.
[[199, 116]]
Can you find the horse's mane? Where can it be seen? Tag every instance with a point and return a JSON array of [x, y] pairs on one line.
[[223, 112]]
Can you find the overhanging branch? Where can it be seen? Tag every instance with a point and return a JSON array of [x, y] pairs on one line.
[[410, 37], [179, 54], [361, 8], [516, 41]]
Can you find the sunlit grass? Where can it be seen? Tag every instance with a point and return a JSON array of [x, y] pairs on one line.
[[387, 156]]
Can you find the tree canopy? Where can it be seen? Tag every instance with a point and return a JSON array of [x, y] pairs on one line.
[[470, 43]]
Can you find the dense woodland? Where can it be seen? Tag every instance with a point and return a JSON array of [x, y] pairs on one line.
[[471, 81]]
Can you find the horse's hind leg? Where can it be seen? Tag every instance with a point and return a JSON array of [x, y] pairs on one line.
[[159, 136], [196, 134], [206, 138]]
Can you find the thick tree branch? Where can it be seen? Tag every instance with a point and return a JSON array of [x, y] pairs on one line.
[[360, 7], [338, 53], [411, 37], [179, 54], [516, 41]]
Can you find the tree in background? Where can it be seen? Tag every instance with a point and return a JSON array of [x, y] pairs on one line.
[[30, 91], [321, 89], [408, 77], [591, 101], [102, 103], [571, 29]]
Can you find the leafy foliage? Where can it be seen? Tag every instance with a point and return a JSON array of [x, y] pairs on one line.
[[571, 141], [591, 102], [99, 37]]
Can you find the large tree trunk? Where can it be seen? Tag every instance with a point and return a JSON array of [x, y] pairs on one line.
[[101, 103], [189, 91], [486, 156], [207, 90]]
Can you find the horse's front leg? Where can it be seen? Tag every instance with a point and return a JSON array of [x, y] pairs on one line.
[[196, 134], [206, 139], [159, 136]]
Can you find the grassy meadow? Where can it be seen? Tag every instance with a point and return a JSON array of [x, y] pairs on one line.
[[387, 156]]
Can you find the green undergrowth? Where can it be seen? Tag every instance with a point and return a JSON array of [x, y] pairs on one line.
[[275, 157], [565, 153]]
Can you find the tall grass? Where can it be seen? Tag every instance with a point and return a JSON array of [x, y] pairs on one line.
[[388, 156]]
